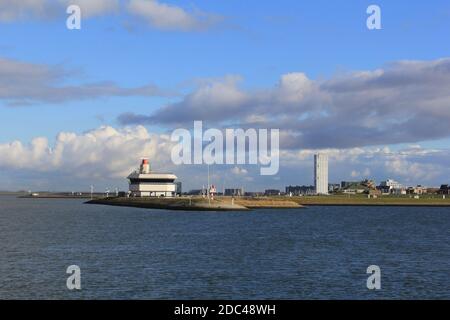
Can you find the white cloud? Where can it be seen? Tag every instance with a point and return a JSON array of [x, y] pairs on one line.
[[409, 170], [406, 102], [418, 166], [366, 172], [170, 17], [239, 171], [159, 15], [91, 8], [13, 10], [355, 174], [101, 153], [294, 87], [107, 154], [23, 83]]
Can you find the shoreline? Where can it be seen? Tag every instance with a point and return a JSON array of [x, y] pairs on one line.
[[248, 203], [54, 197], [177, 204], [197, 204], [383, 201], [421, 205]]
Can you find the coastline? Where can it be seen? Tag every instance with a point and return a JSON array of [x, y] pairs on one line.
[[198, 203], [249, 203], [383, 201], [184, 204]]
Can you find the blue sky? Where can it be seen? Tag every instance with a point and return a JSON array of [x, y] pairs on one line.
[[259, 41]]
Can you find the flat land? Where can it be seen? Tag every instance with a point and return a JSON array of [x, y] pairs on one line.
[[61, 195], [199, 203], [265, 202], [363, 200], [182, 203], [245, 203]]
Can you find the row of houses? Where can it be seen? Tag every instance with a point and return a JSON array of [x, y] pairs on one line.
[[445, 189], [387, 187]]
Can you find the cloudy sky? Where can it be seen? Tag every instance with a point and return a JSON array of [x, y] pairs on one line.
[[81, 107]]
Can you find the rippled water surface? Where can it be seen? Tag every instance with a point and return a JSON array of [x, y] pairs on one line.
[[128, 253]]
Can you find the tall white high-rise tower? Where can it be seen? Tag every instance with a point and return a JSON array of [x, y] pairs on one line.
[[321, 173]]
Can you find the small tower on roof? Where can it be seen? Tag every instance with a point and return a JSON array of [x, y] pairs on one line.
[[145, 166]]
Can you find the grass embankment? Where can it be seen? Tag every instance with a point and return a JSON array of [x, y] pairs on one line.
[[261, 203], [363, 200], [200, 203], [183, 203]]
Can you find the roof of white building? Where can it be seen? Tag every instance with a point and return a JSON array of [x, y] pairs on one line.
[[137, 175]]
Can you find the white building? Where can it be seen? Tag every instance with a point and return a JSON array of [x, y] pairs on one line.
[[392, 184], [144, 183], [321, 173]]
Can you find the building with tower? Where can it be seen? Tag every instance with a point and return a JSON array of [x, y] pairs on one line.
[[321, 173], [145, 183]]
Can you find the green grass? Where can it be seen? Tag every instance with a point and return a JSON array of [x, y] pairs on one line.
[[425, 200]]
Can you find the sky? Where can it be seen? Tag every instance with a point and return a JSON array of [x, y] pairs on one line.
[[81, 107]]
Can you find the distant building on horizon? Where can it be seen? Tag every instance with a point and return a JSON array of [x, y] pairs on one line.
[[234, 192], [321, 173], [346, 184], [444, 190], [195, 192], [358, 187], [394, 187], [300, 190], [392, 184], [272, 192], [178, 188], [333, 187]]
